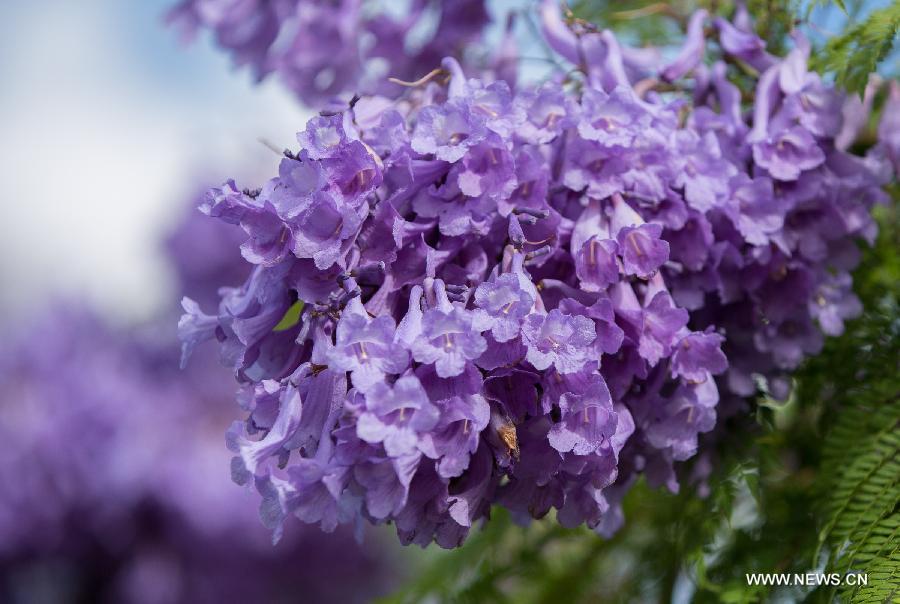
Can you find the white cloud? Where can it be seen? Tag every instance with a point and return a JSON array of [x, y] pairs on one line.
[[99, 152]]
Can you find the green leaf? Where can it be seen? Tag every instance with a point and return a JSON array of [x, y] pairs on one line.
[[291, 317], [817, 3], [857, 53]]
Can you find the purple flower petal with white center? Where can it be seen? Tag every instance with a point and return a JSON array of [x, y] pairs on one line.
[[447, 132], [548, 112], [613, 120], [323, 136], [559, 340], [502, 304], [487, 170], [457, 434], [448, 340], [396, 416], [365, 347]]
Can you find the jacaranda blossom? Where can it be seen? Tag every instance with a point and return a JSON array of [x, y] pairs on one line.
[[528, 296]]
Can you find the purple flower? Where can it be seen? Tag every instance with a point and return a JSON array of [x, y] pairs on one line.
[[447, 132], [705, 171], [541, 252], [397, 416], [320, 51], [502, 304], [789, 342], [548, 113], [744, 45], [690, 245], [457, 434], [387, 483], [614, 119], [321, 229], [788, 152], [642, 249], [324, 136], [754, 209], [252, 453], [816, 108], [889, 127], [448, 340], [596, 264], [698, 354], [588, 420], [687, 413], [487, 170], [365, 347], [692, 52], [269, 238], [662, 320], [194, 327], [558, 339], [833, 302]]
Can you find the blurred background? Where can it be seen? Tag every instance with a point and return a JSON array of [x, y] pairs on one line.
[[109, 127]]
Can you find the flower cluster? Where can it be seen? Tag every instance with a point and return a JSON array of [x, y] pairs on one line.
[[321, 48], [474, 295], [114, 482]]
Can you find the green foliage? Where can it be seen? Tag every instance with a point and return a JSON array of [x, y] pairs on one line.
[[814, 4], [830, 463], [774, 21], [642, 22], [856, 53], [859, 484], [500, 556], [863, 529]]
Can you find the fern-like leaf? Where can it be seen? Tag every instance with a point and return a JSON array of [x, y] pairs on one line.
[[856, 53], [860, 481]]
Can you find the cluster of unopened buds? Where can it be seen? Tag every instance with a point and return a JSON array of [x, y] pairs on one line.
[[469, 295]]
